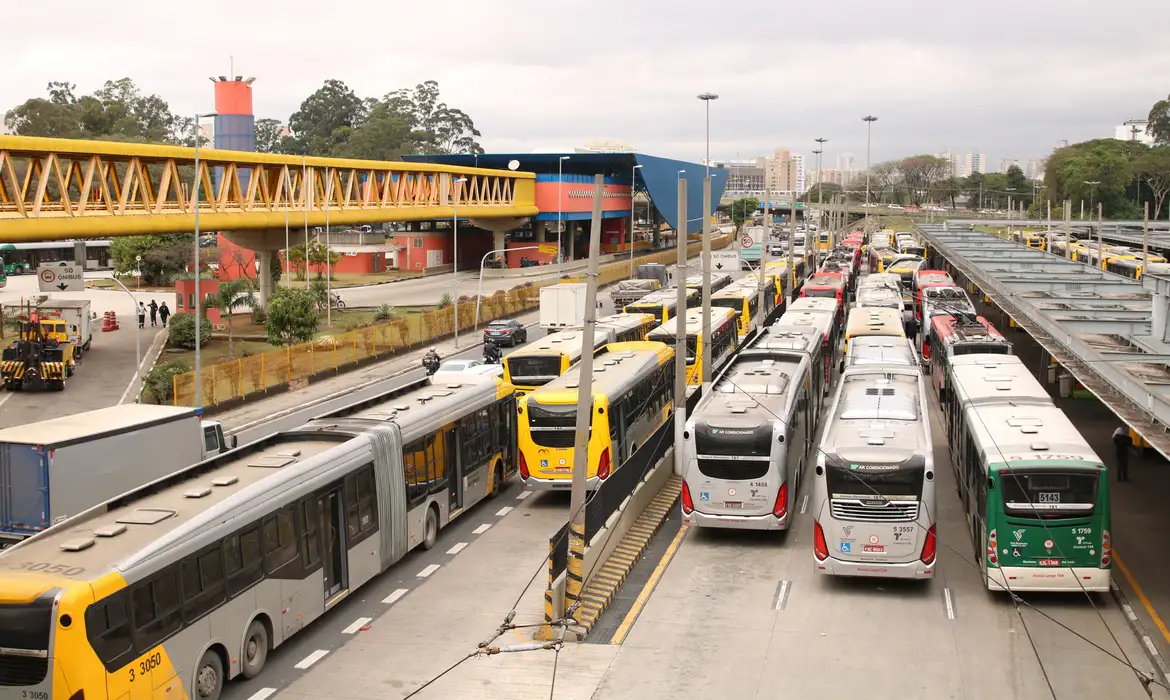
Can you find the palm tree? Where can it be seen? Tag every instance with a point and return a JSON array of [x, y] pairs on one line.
[[232, 295]]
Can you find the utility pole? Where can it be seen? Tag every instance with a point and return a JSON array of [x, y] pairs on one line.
[[1048, 242], [680, 322], [575, 565], [1146, 235], [764, 249], [869, 120], [1101, 234], [706, 359], [1068, 229], [816, 238]]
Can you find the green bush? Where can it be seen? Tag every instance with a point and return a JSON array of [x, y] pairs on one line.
[[384, 312], [182, 331], [292, 316], [160, 380], [445, 300]]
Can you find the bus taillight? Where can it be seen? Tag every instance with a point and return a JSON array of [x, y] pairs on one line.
[[523, 467], [991, 543], [781, 508], [603, 465], [820, 549], [1106, 549], [929, 548], [688, 505]]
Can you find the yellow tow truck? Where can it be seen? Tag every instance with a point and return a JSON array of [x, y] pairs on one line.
[[35, 361]]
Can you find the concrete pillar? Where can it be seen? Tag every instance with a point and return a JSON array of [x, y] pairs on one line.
[[264, 275]]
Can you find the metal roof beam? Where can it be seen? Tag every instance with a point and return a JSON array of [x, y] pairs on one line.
[[1111, 314], [1101, 325], [1136, 357]]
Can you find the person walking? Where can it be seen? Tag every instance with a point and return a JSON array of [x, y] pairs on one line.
[[153, 312], [141, 315], [1123, 442], [164, 313]]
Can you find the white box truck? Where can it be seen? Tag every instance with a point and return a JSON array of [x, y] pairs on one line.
[[60, 467], [78, 320], [562, 305]]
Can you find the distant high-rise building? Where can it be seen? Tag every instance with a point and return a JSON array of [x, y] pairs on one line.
[[975, 163], [956, 168], [1006, 163], [1035, 168], [798, 172], [1134, 130], [744, 176], [846, 163]]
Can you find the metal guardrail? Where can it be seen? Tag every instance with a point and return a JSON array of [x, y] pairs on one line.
[[1005, 270]]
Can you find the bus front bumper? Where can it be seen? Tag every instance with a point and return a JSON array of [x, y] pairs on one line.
[[736, 522], [908, 570], [537, 483], [1043, 578]]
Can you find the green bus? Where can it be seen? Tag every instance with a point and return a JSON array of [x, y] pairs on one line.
[[20, 258], [1036, 495]]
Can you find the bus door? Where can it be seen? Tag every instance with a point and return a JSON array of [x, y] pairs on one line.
[[332, 518], [450, 459]]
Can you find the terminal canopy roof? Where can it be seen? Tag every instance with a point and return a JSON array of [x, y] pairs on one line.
[[658, 177]]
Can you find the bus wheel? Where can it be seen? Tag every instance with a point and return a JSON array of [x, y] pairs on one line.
[[209, 676], [431, 529], [497, 479], [255, 649]]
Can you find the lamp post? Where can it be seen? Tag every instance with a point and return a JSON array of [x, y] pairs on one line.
[[633, 183], [820, 176], [482, 262], [1009, 190], [1092, 194], [198, 301], [707, 97], [869, 119], [455, 251], [560, 176]]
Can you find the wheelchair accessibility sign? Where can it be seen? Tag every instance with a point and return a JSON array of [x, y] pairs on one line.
[[704, 496], [845, 547]]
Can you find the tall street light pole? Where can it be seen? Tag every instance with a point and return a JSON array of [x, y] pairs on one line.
[[1092, 193], [706, 97], [820, 175], [198, 300], [455, 250], [869, 120], [560, 176], [633, 186]]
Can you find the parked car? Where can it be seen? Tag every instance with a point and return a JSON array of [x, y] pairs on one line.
[[472, 367], [508, 332]]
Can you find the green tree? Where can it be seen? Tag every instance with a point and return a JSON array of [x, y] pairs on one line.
[[947, 190], [438, 127], [743, 209], [231, 295], [326, 119], [1159, 121], [163, 256], [1017, 182], [118, 111], [292, 316], [920, 173], [321, 258], [296, 260], [822, 191], [1154, 170], [974, 185], [268, 135], [385, 135]]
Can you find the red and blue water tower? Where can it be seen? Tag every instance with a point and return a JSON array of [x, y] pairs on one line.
[[235, 125]]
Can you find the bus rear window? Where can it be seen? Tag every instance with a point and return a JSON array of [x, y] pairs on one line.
[[733, 469], [534, 371], [733, 303], [896, 484], [1071, 494], [823, 292], [746, 442], [980, 348], [692, 345], [553, 425]]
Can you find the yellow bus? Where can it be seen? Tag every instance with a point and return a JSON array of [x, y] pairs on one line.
[[1130, 264], [724, 339], [547, 358], [772, 279], [744, 299], [623, 327], [633, 388], [180, 585], [870, 320], [718, 281], [662, 303]]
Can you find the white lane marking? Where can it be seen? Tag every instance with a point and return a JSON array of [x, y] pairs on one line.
[[395, 596], [7, 395], [457, 548], [950, 605], [780, 599], [522, 495], [357, 625], [1129, 612], [481, 529], [312, 659], [804, 504], [1150, 645], [262, 693], [504, 511], [428, 571]]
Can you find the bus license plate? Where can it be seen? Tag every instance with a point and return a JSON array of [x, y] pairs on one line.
[[733, 504], [1049, 562], [562, 470]]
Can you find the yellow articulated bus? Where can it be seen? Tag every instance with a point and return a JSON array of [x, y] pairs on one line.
[[633, 386], [744, 299], [623, 327], [1130, 264], [869, 320], [171, 590], [724, 339], [543, 360], [662, 304], [772, 279], [718, 281]]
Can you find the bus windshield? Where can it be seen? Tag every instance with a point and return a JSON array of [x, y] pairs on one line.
[[692, 346], [534, 371], [553, 425], [1036, 494]]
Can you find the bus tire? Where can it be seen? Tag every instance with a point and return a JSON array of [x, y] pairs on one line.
[[255, 651], [431, 528], [208, 681], [497, 478]]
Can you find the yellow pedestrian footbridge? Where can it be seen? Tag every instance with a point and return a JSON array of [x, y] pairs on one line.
[[66, 189]]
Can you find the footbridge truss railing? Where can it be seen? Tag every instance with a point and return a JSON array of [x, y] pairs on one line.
[[62, 189]]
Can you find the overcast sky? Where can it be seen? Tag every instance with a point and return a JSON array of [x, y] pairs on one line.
[[999, 77]]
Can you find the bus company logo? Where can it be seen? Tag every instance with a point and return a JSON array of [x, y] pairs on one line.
[[848, 530], [1018, 534]]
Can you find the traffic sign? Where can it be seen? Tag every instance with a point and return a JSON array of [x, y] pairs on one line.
[[61, 277], [724, 261], [746, 241]]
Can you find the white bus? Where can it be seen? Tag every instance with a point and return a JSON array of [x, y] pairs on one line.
[[873, 497], [747, 443], [824, 315]]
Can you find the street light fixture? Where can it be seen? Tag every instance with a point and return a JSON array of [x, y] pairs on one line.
[[869, 119], [455, 251], [195, 205], [633, 185], [707, 97], [560, 177]]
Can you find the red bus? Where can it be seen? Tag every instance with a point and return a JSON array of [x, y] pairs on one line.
[[827, 284], [952, 336], [926, 277]]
